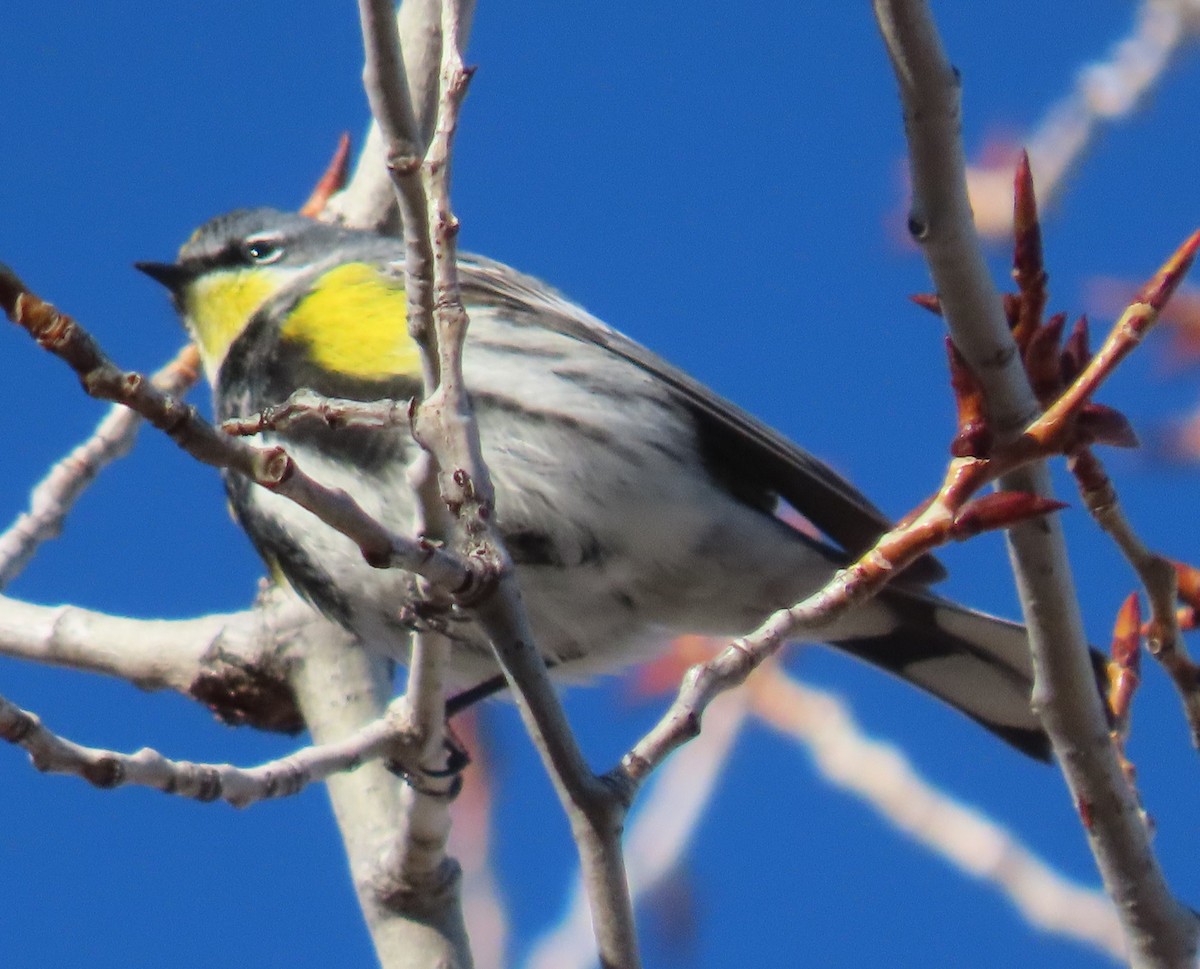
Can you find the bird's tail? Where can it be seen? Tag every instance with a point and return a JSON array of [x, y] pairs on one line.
[[975, 662]]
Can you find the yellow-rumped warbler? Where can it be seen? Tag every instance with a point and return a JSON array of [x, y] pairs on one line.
[[635, 502]]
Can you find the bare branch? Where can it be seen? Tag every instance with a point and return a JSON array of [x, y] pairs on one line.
[[369, 200], [341, 687], [419, 851], [1129, 330], [1159, 578], [417, 860], [659, 834], [152, 654], [52, 499], [950, 514], [271, 468], [305, 405], [235, 664], [881, 775], [1159, 931], [238, 786], [404, 147], [444, 425]]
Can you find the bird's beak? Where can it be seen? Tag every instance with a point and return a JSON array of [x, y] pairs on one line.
[[172, 275]]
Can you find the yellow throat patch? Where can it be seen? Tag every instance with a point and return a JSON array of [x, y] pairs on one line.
[[352, 318], [218, 307]]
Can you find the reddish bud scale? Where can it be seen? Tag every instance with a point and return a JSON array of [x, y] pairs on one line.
[[1123, 685], [928, 301], [974, 437], [1101, 424], [1012, 309], [1029, 271], [1027, 232], [1027, 324], [1000, 509], [1163, 283], [1135, 322], [1030, 308], [1127, 634], [973, 440], [1187, 619], [1188, 579], [1076, 355], [1041, 357], [1089, 472], [1028, 321], [333, 179]]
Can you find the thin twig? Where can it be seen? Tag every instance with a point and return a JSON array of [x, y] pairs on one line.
[[340, 688], [659, 833], [238, 786], [1164, 637], [1159, 930], [271, 467], [1048, 366], [417, 860], [332, 180], [306, 405], [235, 664], [369, 200], [951, 514], [444, 424], [52, 499], [386, 85]]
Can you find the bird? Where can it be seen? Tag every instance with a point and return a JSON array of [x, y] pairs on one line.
[[635, 503]]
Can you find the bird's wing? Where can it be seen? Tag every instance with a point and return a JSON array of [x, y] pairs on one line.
[[810, 486]]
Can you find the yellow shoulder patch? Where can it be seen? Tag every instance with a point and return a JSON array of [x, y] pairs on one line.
[[353, 322]]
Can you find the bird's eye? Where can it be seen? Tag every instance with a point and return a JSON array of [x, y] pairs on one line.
[[263, 250]]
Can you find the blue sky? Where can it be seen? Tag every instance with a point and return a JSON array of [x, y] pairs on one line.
[[723, 183]]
